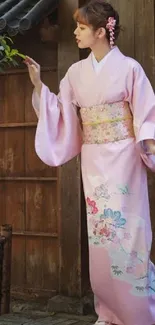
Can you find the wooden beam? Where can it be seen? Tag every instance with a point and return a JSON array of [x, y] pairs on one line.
[[69, 174], [24, 71], [35, 234], [126, 38], [18, 125], [28, 179], [145, 36]]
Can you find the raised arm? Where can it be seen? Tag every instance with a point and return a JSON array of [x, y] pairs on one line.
[[58, 135]]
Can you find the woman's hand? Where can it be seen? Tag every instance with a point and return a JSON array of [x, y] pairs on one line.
[[150, 146], [34, 73]]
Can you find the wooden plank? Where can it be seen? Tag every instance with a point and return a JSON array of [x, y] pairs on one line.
[[29, 179], [18, 262], [24, 71], [69, 174], [18, 125], [30, 115], [34, 263], [15, 205], [14, 85], [2, 203], [41, 207], [31, 292], [3, 95], [50, 264], [145, 36], [2, 153], [68, 52], [35, 234], [126, 38], [28, 188], [14, 154]]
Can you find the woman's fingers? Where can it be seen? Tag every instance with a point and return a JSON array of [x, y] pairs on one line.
[[34, 70], [33, 67], [30, 61]]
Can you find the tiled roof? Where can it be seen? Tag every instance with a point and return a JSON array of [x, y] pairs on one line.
[[18, 16]]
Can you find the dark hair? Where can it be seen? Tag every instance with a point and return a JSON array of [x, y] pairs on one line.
[[96, 14]]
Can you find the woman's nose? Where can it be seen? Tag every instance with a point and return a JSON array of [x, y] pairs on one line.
[[76, 31]]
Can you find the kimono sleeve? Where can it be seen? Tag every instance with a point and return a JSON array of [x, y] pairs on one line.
[[143, 108], [58, 135]]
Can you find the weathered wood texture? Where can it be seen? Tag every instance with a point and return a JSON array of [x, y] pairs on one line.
[[6, 232], [28, 188], [69, 175]]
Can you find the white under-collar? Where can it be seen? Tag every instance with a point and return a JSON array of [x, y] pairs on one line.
[[98, 65]]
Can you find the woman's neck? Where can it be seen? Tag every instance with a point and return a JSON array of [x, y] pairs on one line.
[[101, 50]]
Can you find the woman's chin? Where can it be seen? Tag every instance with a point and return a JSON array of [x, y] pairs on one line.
[[81, 46]]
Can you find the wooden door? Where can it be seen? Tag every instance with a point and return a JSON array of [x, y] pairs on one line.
[[28, 188], [43, 204]]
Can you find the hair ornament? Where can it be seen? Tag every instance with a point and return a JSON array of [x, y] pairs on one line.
[[111, 27]]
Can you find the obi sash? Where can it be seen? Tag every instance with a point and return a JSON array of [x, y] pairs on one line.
[[107, 123]]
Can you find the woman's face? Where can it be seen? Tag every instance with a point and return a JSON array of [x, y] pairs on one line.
[[86, 37]]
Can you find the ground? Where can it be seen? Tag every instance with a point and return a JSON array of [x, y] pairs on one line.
[[42, 318]]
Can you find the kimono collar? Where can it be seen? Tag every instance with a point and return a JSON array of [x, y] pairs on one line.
[[115, 53], [98, 65]]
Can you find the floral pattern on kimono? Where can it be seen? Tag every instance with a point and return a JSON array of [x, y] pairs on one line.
[[110, 229]]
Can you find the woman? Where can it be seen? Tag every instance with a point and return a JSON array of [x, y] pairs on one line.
[[117, 108]]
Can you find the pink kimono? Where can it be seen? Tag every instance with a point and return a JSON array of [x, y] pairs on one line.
[[117, 108]]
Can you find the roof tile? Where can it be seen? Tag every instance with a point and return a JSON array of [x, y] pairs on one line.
[[18, 16]]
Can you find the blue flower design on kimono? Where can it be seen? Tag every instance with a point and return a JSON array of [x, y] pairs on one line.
[[116, 216]]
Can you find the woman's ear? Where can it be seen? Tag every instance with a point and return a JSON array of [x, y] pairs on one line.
[[101, 32]]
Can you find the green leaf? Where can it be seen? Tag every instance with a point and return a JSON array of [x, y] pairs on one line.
[[7, 54], [3, 41], [8, 48], [21, 55], [13, 52]]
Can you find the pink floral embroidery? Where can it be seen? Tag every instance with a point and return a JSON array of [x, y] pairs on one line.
[[105, 231], [103, 240], [127, 236], [101, 230], [129, 269], [134, 254], [92, 204], [116, 240]]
